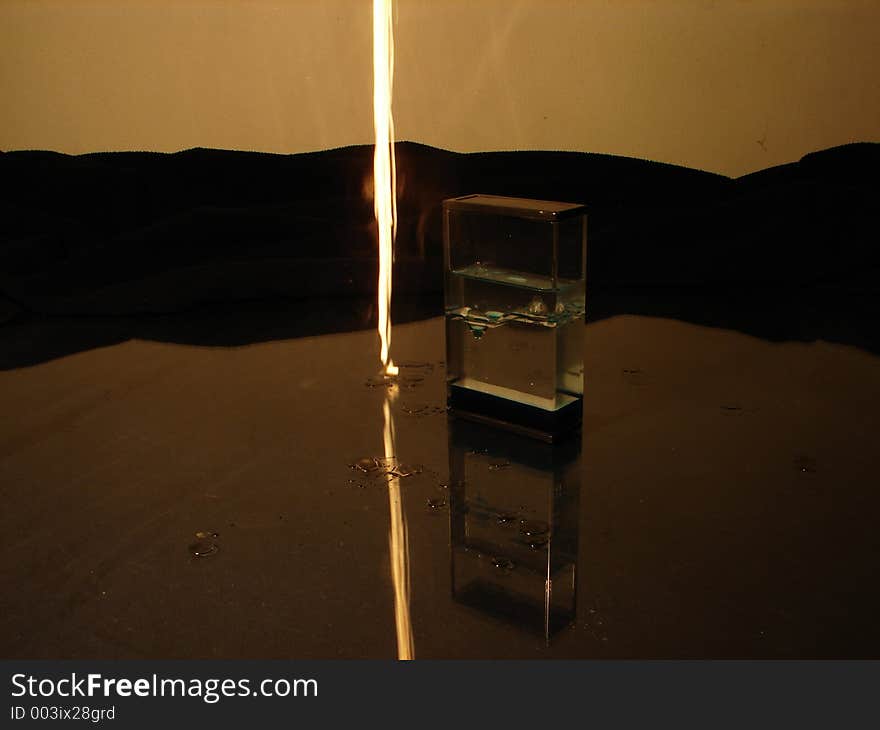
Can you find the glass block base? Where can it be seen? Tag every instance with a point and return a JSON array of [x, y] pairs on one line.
[[545, 425]]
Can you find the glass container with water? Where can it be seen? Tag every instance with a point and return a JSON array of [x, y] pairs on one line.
[[515, 288]]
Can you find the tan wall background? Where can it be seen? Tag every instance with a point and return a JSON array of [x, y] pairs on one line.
[[726, 85]]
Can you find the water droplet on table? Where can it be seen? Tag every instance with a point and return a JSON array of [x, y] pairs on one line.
[[365, 465], [503, 564], [436, 503], [381, 380], [203, 548], [805, 465], [497, 465], [533, 528]]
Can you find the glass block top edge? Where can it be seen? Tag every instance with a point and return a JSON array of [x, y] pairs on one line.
[[522, 207]]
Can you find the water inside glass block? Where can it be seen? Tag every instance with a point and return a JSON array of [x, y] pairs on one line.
[[515, 335]]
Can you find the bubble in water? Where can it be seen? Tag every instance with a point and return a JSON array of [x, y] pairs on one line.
[[537, 307], [503, 564], [505, 518], [498, 465], [205, 534], [436, 503], [537, 543]]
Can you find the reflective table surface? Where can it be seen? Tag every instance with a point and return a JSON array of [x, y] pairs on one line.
[[166, 500]]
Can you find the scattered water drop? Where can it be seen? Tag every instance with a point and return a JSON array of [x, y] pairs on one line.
[[497, 465], [533, 528], [381, 380], [805, 464], [365, 465], [203, 548], [425, 367], [422, 409], [401, 471], [411, 381], [379, 469]]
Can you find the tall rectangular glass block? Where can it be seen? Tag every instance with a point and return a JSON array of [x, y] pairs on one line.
[[514, 291], [514, 525]]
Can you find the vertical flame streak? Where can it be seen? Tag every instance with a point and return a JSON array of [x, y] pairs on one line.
[[385, 207], [399, 551], [384, 168]]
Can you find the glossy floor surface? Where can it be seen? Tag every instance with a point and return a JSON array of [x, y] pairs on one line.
[[726, 503]]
